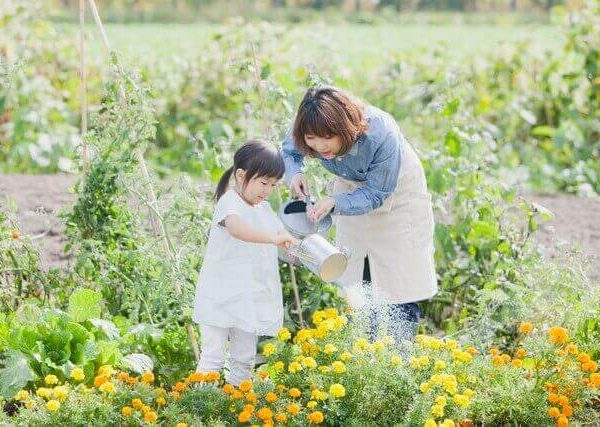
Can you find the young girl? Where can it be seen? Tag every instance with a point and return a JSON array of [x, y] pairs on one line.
[[238, 296], [382, 208]]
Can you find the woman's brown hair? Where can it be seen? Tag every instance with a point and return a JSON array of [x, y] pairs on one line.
[[327, 111]]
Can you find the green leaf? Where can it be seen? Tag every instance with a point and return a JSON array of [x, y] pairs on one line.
[[451, 107], [84, 304], [15, 375], [542, 131]]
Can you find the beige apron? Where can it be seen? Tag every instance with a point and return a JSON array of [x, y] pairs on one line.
[[397, 237]]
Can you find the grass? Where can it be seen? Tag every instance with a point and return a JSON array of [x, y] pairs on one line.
[[358, 44]]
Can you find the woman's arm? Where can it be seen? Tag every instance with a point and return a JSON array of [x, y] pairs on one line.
[[381, 179]]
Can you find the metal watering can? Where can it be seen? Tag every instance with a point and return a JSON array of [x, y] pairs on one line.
[[314, 251]]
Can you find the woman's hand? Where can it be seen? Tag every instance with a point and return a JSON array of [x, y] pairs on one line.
[[320, 210], [284, 240], [299, 187]]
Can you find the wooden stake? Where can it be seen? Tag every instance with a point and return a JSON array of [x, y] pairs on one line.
[[83, 88]]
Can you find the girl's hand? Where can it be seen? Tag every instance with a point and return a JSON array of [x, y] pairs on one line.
[[284, 240], [320, 210], [299, 187]]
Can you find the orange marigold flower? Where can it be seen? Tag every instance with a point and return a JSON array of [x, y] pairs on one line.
[[520, 353], [270, 397], [553, 398], [264, 414], [248, 408], [180, 386], [551, 387], [583, 357], [123, 376], [572, 349], [525, 327], [245, 386], [591, 366], [147, 377], [553, 412], [212, 376], [563, 400], [99, 380], [132, 380], [244, 417], [150, 416], [251, 397], [558, 335], [263, 374], [126, 411], [196, 377], [160, 401], [567, 411], [293, 408], [295, 393], [562, 421], [505, 358], [494, 351], [315, 417], [595, 380], [237, 394], [472, 351], [497, 360], [517, 363], [175, 394], [280, 418], [137, 403], [228, 389]]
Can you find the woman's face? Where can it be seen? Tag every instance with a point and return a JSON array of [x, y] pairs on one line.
[[328, 147]]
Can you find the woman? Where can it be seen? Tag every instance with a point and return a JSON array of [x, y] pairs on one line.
[[381, 206]]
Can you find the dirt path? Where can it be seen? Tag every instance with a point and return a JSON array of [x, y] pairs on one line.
[[38, 197]]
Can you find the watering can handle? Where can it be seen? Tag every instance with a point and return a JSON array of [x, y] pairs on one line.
[[346, 251]]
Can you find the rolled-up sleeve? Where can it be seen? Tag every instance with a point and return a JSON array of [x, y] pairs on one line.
[[293, 159], [381, 182]]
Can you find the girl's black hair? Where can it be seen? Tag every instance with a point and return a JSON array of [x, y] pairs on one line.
[[257, 158]]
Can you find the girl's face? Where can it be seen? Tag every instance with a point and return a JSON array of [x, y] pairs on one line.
[[328, 147], [257, 190]]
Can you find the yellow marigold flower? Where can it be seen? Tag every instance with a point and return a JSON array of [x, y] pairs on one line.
[[77, 374], [460, 399], [377, 346], [494, 351], [293, 408], [106, 370], [145, 409], [147, 377], [279, 366], [51, 379], [244, 417], [181, 425], [108, 387], [137, 403], [280, 418], [270, 397], [451, 344], [264, 414], [43, 392], [53, 405], [448, 423], [439, 365], [284, 334], [196, 377], [423, 361], [60, 392], [553, 412], [441, 400], [175, 394], [425, 387], [346, 356], [295, 393], [303, 335], [269, 349], [316, 417], [558, 335], [329, 349], [30, 404], [311, 404], [396, 360], [150, 416], [437, 411], [161, 401], [517, 363], [22, 395], [337, 390], [525, 327], [468, 392], [294, 367], [361, 344], [562, 421], [309, 362], [430, 423], [505, 358], [338, 367], [126, 411], [572, 349]]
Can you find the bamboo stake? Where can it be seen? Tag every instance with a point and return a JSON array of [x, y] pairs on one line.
[[83, 88], [156, 221]]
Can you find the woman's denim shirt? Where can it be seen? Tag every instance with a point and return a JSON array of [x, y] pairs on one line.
[[374, 159]]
